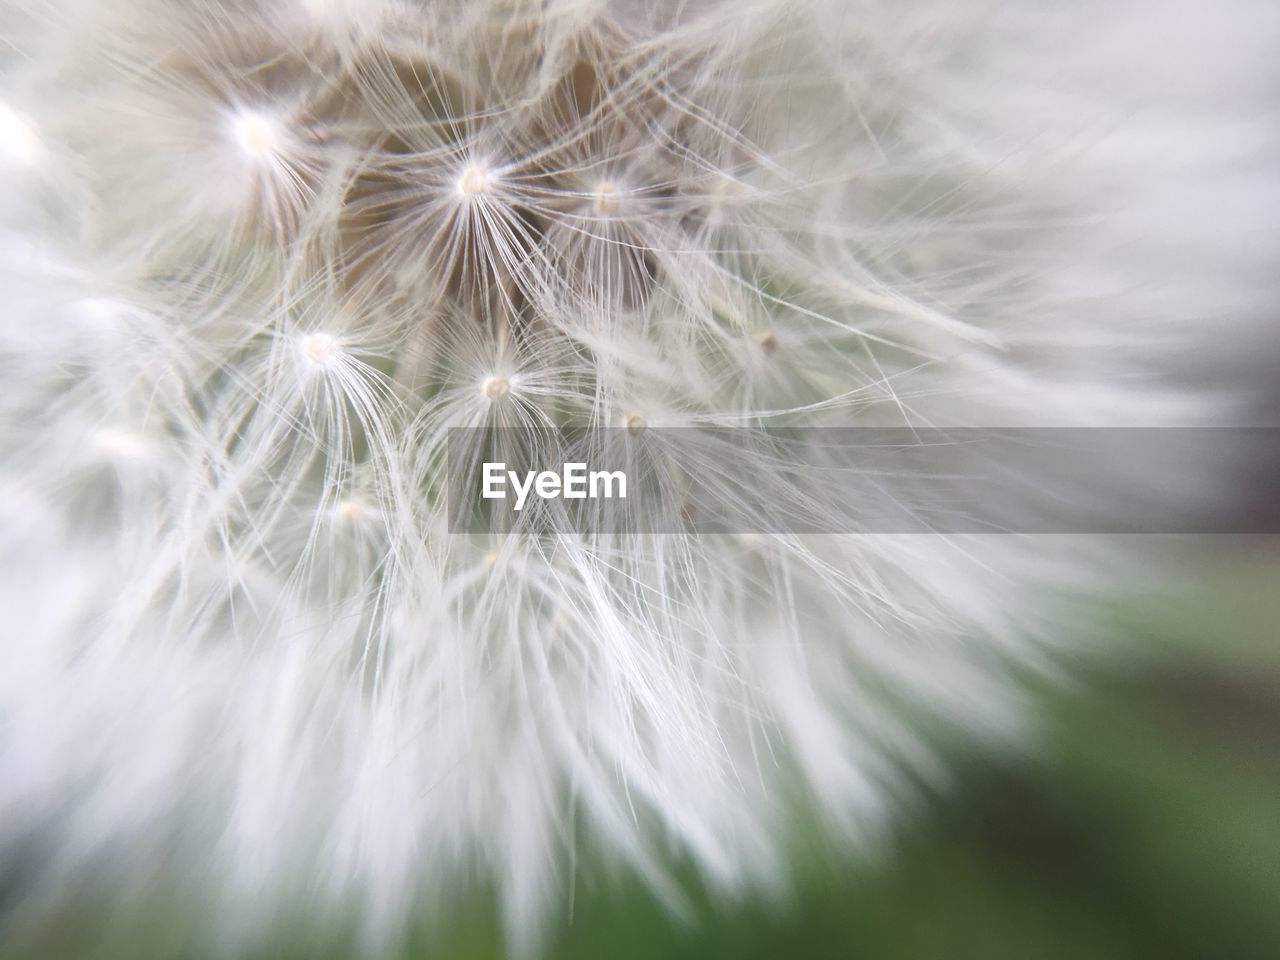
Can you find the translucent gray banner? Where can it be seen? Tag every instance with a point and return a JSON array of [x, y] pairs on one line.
[[865, 480]]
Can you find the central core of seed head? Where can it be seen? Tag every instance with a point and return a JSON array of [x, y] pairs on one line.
[[473, 181], [352, 510], [495, 388], [319, 348], [256, 134], [605, 197]]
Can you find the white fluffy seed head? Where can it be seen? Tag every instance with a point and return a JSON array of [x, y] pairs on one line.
[[623, 214]]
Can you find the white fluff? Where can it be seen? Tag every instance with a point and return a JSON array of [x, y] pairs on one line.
[[258, 256]]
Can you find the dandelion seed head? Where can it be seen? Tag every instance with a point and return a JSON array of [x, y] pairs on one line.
[[288, 254]]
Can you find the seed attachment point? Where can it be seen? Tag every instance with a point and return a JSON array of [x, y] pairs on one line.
[[320, 348], [257, 134], [495, 388], [474, 181]]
